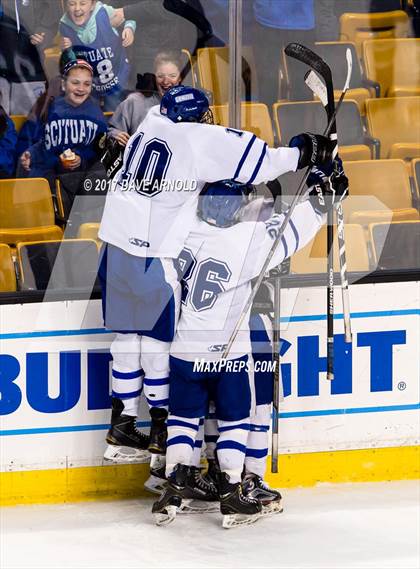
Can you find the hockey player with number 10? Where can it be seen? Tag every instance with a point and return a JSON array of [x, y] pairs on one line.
[[149, 212]]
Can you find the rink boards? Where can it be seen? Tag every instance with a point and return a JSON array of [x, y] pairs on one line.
[[54, 396]]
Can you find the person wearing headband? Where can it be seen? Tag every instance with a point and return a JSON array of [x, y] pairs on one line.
[[67, 147]]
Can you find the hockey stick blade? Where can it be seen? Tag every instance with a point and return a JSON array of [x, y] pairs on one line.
[[316, 85], [305, 55]]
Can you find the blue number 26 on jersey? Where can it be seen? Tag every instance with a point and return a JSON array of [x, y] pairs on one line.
[[203, 281]]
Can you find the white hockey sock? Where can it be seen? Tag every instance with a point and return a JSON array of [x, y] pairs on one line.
[[155, 362], [231, 447], [182, 432], [198, 445], [127, 375], [257, 443]]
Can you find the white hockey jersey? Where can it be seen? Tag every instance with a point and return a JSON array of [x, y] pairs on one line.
[[151, 205], [218, 265]]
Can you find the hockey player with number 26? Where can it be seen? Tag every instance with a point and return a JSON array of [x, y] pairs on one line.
[[220, 258], [149, 212]]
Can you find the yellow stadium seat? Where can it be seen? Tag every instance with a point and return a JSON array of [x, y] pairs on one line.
[[18, 121], [7, 270], [89, 231], [396, 123], [313, 257], [358, 27], [26, 211], [57, 265], [254, 118], [52, 62], [213, 70], [379, 191], [310, 116], [394, 64], [396, 245]]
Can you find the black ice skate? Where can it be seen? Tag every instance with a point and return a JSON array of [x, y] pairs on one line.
[[213, 471], [125, 442], [156, 482], [158, 432], [165, 509], [200, 495], [237, 509], [255, 487]]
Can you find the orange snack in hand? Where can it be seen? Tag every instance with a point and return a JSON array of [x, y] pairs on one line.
[[67, 157]]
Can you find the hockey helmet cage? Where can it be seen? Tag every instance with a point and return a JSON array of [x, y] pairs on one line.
[[220, 203], [186, 104]]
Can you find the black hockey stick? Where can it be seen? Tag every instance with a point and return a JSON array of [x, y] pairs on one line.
[[318, 87], [299, 193], [306, 55], [276, 384]]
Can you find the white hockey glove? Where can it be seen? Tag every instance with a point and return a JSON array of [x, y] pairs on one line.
[[327, 190]]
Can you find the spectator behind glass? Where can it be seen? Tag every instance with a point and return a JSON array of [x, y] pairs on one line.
[[8, 139], [164, 25], [39, 17], [131, 112], [68, 147], [279, 22], [217, 12], [22, 77], [87, 24]]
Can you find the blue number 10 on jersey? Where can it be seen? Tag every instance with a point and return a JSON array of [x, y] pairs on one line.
[[145, 169]]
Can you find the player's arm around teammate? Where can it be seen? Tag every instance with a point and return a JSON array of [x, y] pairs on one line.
[[146, 221]]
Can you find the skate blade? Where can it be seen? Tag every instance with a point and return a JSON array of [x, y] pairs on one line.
[[156, 450], [121, 454], [271, 509], [166, 517], [155, 485], [198, 507], [236, 520]]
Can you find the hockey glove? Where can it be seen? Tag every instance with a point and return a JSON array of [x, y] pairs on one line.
[[313, 148], [327, 191], [111, 154]]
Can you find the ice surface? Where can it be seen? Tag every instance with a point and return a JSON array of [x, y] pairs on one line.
[[329, 526]]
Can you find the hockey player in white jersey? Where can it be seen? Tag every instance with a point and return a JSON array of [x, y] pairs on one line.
[[218, 262], [148, 214]]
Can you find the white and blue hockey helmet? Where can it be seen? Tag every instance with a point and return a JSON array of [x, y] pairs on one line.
[[220, 203], [186, 104]]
